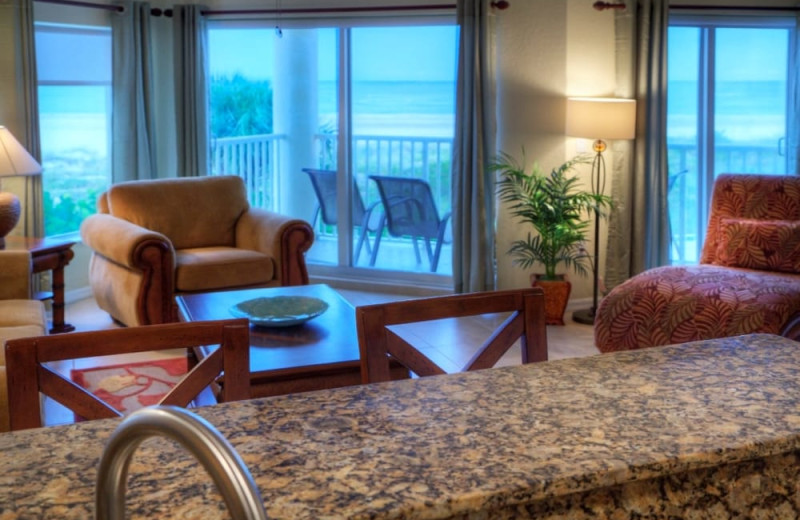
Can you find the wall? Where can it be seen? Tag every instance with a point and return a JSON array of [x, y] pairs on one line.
[[547, 51]]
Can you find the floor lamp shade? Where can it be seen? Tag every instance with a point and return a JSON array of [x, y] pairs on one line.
[[15, 161], [599, 119]]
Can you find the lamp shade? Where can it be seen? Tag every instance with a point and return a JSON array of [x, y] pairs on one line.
[[601, 118], [14, 158]]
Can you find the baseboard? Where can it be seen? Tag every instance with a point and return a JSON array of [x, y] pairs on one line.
[[77, 294], [578, 304]]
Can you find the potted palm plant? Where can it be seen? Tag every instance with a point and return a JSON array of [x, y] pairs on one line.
[[557, 208]]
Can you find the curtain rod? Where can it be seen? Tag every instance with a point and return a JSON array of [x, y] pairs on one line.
[[78, 3], [498, 4], [602, 6], [733, 8]]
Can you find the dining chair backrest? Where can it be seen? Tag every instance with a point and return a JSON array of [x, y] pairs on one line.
[[30, 373], [379, 343]]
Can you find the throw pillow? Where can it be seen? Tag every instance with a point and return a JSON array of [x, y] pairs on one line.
[[771, 245]]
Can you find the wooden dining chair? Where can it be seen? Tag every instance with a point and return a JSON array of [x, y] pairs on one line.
[[29, 375], [379, 344]]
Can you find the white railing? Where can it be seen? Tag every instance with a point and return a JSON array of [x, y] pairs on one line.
[[254, 158], [427, 158], [685, 193]]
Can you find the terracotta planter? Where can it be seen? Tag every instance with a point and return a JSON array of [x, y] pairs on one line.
[[556, 297]]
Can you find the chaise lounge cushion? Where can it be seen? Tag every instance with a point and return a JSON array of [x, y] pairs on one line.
[[673, 304], [771, 245]]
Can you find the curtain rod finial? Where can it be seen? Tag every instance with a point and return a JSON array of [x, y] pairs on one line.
[[602, 6]]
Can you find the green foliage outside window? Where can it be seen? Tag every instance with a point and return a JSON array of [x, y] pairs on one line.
[[240, 107]]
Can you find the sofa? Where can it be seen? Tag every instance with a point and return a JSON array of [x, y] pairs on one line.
[[747, 281], [152, 240], [20, 316]]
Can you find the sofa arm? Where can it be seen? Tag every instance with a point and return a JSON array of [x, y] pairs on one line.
[[284, 238], [15, 275], [123, 242]]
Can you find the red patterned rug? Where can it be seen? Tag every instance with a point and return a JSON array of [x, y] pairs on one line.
[[128, 387]]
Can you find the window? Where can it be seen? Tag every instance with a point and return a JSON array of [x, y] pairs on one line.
[[74, 71], [727, 113], [278, 99]]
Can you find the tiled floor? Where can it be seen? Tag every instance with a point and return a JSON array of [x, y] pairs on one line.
[[448, 342]]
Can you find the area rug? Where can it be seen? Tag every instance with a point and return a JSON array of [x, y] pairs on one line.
[[129, 387]]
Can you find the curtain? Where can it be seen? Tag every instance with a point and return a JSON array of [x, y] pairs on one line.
[[639, 234], [473, 147], [190, 90], [132, 127], [32, 217]]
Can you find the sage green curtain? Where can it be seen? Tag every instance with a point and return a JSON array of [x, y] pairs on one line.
[[32, 218], [133, 123], [473, 185], [191, 119], [639, 234]]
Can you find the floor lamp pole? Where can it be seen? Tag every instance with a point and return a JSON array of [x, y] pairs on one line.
[[586, 316]]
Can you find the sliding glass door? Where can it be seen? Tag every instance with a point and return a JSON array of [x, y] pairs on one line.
[[728, 112], [309, 115]]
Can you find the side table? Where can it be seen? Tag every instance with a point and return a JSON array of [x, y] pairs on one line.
[[48, 254]]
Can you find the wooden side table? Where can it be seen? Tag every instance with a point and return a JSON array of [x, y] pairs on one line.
[[48, 254]]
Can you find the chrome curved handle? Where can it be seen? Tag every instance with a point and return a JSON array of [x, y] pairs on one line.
[[199, 437]]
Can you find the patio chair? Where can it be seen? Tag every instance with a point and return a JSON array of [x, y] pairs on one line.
[[380, 342], [409, 210], [324, 184]]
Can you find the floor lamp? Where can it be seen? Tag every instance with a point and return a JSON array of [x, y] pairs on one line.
[[599, 119], [15, 161]]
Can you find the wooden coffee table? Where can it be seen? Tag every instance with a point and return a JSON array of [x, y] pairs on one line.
[[319, 354]]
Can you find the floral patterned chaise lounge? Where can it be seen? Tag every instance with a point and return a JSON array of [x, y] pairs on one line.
[[748, 279]]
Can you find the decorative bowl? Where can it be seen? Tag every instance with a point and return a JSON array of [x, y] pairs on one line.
[[279, 311]]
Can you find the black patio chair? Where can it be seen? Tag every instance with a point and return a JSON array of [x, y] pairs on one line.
[[324, 183], [409, 210]]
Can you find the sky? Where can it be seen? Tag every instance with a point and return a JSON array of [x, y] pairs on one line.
[[379, 53], [742, 53]]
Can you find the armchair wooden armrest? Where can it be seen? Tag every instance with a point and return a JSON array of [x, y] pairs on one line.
[[15, 275], [284, 238]]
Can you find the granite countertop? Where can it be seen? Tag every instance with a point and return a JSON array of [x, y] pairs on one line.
[[448, 445]]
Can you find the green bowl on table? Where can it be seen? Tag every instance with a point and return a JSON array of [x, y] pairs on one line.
[[279, 311]]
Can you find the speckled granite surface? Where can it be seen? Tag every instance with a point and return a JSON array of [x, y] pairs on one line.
[[710, 429]]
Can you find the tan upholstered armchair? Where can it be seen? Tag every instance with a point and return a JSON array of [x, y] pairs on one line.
[[154, 239], [20, 316]]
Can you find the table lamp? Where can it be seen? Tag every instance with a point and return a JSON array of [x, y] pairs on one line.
[[15, 161], [599, 119]]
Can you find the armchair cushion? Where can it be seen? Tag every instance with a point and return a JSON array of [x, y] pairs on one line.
[[203, 269], [771, 245]]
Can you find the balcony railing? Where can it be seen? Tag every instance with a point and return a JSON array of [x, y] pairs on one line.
[[686, 204], [254, 158], [257, 160]]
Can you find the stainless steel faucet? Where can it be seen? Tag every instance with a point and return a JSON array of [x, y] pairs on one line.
[[197, 435]]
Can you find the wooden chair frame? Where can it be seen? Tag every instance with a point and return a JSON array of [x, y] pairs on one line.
[[379, 344], [28, 375]]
